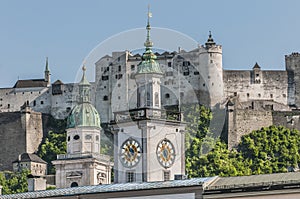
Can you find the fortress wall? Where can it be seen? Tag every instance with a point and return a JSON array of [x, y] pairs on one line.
[[34, 130], [273, 85], [12, 138], [289, 119], [19, 133], [11, 99], [242, 122]]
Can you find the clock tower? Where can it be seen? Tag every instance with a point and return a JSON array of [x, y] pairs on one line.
[[148, 141]]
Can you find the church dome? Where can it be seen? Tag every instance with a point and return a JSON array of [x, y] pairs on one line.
[[83, 115], [149, 65]]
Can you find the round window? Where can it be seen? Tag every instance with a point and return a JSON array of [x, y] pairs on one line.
[[76, 137]]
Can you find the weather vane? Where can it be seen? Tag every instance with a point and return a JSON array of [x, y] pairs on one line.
[[149, 13]]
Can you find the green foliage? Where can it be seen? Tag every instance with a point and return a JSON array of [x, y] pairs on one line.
[[50, 188], [54, 143], [14, 182], [198, 138], [269, 150]]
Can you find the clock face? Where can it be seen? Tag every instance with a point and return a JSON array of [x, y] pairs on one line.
[[130, 153], [165, 153]]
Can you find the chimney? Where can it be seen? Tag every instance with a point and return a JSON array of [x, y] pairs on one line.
[[36, 183]]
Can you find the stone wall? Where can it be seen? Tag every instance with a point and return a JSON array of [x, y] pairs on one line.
[[261, 114], [270, 85], [289, 119], [12, 139], [242, 122], [20, 132]]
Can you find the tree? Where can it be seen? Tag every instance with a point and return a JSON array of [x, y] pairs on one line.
[[268, 150], [271, 150], [198, 137], [14, 182], [54, 143]]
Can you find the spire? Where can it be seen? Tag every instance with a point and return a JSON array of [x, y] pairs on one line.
[[210, 41], [148, 65], [148, 44], [47, 73], [47, 67], [84, 87]]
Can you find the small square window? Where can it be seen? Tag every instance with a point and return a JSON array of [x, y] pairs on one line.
[[130, 176], [132, 67], [166, 175], [105, 98], [186, 73], [105, 78]]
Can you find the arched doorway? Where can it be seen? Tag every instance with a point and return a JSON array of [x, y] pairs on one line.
[[74, 184]]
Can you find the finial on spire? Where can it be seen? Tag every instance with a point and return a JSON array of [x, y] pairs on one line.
[[148, 43], [83, 79], [149, 13], [83, 68]]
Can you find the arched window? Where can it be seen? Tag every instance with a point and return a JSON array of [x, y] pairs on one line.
[[74, 184], [148, 99], [156, 99]]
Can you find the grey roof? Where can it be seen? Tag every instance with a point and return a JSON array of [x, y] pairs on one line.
[[30, 83], [111, 188], [30, 157], [256, 66], [58, 82], [254, 181]]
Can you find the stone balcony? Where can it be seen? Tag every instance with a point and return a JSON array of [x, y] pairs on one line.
[[97, 156], [146, 113]]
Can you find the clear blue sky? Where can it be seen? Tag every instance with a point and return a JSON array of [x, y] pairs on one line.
[[66, 31]]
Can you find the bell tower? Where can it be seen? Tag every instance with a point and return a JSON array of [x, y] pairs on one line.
[[149, 142], [83, 164]]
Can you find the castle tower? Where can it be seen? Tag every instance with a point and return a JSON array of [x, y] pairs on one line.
[[149, 143], [83, 164], [47, 73], [211, 70], [292, 64]]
